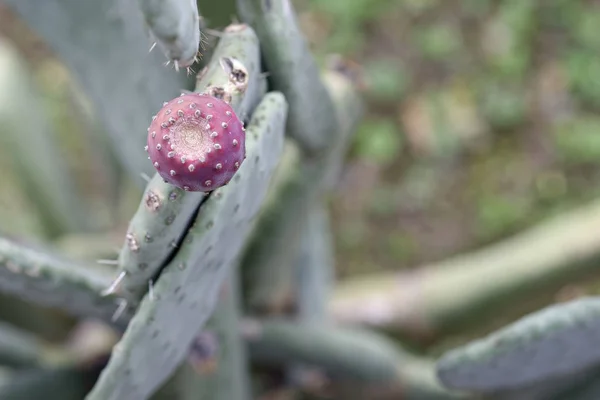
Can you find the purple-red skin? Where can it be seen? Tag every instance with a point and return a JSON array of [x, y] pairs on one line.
[[196, 142]]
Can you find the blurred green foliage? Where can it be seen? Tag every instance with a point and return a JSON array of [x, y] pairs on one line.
[[495, 102]]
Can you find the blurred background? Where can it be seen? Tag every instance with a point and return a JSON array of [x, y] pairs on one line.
[[482, 121]]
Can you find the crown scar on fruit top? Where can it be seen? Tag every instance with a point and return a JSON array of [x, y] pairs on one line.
[[196, 142]]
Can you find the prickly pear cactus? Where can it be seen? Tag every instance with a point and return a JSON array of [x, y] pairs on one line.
[[165, 212], [159, 335], [242, 165]]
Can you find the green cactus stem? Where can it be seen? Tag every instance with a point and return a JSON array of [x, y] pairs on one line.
[[217, 366], [550, 389], [238, 79], [159, 336], [175, 25], [550, 343], [28, 141], [223, 375], [350, 357], [165, 211], [450, 296], [153, 235], [40, 277], [343, 85], [268, 256], [314, 266], [268, 265], [100, 52], [293, 71]]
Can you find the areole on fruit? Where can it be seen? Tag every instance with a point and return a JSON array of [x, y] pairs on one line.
[[196, 142]]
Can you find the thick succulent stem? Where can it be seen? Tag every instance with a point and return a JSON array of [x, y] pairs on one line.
[[224, 374], [293, 71], [547, 344], [159, 336], [314, 266], [351, 357], [175, 25], [268, 266], [99, 52], [162, 218], [28, 140], [554, 388], [217, 366], [40, 277], [442, 298]]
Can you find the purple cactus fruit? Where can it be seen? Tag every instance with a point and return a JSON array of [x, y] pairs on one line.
[[196, 142]]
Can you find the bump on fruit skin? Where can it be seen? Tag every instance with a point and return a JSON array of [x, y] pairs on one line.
[[196, 142]]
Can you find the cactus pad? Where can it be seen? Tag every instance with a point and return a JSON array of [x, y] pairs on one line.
[[293, 71], [175, 25], [165, 211], [37, 276], [550, 343], [158, 338]]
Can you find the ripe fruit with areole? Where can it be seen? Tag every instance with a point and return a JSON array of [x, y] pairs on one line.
[[196, 142]]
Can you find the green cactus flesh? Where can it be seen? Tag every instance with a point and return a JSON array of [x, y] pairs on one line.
[[159, 336], [549, 389], [162, 218], [37, 276], [238, 54], [267, 271], [314, 266], [228, 378], [293, 71], [336, 350], [546, 344], [268, 264], [175, 25]]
